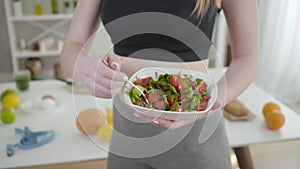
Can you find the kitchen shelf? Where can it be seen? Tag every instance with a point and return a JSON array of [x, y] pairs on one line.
[[39, 27], [49, 17], [28, 54]]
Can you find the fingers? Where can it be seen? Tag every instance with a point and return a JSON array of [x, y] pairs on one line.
[[98, 90], [109, 73], [103, 70], [216, 106], [108, 83], [103, 81], [161, 122], [171, 124], [143, 117], [114, 61], [174, 124]]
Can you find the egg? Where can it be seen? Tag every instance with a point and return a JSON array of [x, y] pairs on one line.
[[88, 121], [48, 97], [47, 104]]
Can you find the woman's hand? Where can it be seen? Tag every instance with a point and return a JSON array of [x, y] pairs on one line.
[[172, 124], [103, 81]]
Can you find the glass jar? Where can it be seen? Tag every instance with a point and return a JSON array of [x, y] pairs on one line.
[[35, 66], [67, 7]]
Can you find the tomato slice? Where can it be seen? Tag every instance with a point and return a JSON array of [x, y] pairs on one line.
[[178, 108], [201, 106], [180, 85], [173, 81], [159, 104], [194, 83], [182, 96], [205, 99], [143, 82], [170, 100], [153, 97], [201, 88]]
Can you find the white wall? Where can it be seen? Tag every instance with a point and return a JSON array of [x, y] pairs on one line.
[[5, 60], [221, 39], [101, 43]]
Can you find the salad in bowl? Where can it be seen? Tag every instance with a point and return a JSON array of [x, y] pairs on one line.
[[171, 93]]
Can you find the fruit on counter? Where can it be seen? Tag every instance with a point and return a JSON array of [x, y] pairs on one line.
[[8, 92], [105, 132], [109, 116], [11, 100], [269, 107], [89, 120], [8, 115], [273, 115], [275, 120]]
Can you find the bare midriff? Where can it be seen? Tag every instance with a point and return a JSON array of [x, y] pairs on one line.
[[131, 65]]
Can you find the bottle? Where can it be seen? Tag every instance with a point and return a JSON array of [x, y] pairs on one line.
[[54, 6], [38, 9], [18, 8]]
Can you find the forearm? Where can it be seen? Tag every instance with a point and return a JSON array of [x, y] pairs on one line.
[[84, 23], [242, 20], [69, 57], [239, 75]]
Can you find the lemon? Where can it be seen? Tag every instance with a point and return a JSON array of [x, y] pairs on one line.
[[104, 132], [11, 100], [109, 115]]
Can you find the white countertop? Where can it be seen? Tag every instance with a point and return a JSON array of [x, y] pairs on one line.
[[70, 145], [256, 131]]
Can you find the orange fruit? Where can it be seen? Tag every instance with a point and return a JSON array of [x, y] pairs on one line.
[[88, 121], [275, 119], [269, 107]]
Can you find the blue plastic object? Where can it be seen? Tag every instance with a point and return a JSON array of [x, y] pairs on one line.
[[29, 140]]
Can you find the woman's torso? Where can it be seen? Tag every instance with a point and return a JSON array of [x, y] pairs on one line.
[[126, 48]]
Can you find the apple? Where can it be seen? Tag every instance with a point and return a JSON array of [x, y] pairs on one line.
[[8, 92], [8, 115]]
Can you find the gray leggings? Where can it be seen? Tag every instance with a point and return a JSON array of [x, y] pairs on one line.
[[188, 153]]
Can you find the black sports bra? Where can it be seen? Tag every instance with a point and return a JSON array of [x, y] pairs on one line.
[[130, 46]]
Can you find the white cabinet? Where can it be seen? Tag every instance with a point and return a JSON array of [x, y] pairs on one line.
[[28, 29]]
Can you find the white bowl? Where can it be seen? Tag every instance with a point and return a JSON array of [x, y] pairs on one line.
[[172, 115]]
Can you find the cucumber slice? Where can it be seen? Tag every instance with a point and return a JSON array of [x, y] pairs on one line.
[[136, 91]]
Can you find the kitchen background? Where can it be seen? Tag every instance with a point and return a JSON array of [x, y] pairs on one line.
[[280, 54], [279, 25], [29, 29]]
